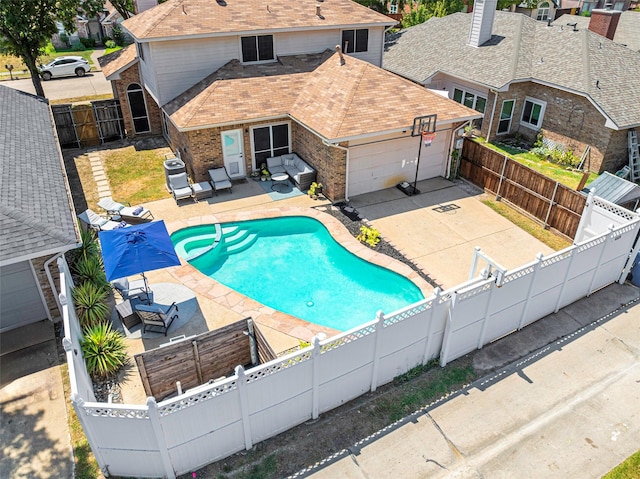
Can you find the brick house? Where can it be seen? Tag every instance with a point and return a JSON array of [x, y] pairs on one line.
[[37, 222], [575, 86], [208, 76]]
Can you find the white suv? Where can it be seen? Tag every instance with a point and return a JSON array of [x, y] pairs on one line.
[[63, 66]]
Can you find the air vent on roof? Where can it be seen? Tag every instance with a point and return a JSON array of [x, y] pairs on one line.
[[222, 3], [574, 25]]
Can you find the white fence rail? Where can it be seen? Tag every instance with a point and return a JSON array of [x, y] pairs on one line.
[[216, 420]]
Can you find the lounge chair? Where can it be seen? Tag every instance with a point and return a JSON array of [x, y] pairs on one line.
[[130, 290], [97, 222], [156, 316], [220, 180], [180, 187], [126, 212]]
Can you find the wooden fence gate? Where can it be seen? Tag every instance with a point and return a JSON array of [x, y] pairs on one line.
[[555, 205], [88, 125]]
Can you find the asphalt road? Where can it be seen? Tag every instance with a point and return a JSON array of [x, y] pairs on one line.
[[93, 83]]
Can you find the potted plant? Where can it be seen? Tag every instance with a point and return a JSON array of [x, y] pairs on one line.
[[468, 130], [255, 175], [265, 172], [315, 189]]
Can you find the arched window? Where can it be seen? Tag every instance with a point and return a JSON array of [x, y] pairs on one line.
[[543, 11], [138, 108]]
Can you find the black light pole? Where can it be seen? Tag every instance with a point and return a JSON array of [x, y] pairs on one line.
[[421, 124]]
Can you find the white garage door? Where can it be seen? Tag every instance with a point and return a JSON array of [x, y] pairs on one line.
[[381, 165], [20, 300]]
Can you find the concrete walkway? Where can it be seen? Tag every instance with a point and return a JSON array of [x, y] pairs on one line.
[[569, 410]]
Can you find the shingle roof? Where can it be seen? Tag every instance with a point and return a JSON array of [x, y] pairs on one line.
[[118, 60], [36, 212], [181, 18], [627, 32], [523, 49], [336, 100]]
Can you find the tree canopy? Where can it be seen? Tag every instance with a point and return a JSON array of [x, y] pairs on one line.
[[124, 7], [27, 26]]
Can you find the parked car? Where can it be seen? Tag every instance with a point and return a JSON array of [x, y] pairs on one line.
[[63, 66]]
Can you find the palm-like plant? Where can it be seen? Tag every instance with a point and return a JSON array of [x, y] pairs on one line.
[[90, 269], [89, 247], [104, 350], [90, 303]]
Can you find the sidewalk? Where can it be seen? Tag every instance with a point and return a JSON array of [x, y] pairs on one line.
[[570, 409]]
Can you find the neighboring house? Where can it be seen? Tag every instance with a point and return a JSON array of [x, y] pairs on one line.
[[87, 27], [626, 31], [234, 83], [37, 219], [543, 11], [576, 87]]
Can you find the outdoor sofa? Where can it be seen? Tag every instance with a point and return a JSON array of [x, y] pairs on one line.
[[298, 170]]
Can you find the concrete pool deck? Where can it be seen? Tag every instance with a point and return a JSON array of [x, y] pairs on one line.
[[441, 244]]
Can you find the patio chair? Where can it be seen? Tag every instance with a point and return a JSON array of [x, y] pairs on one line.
[[220, 179], [131, 290], [180, 187], [156, 316], [126, 212], [97, 222]]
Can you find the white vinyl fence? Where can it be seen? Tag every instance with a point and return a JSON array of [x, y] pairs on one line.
[[216, 420]]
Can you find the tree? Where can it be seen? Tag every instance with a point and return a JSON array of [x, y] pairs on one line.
[[27, 26], [124, 7], [431, 8]]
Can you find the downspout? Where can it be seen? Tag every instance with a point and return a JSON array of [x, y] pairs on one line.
[[346, 173], [52, 284], [454, 138], [493, 113]]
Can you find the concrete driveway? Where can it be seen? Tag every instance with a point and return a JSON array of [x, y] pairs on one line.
[[439, 229]]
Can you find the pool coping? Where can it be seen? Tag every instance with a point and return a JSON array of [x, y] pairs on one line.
[[260, 313]]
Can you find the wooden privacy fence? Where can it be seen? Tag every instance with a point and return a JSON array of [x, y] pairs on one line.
[[557, 206], [200, 359], [88, 124]]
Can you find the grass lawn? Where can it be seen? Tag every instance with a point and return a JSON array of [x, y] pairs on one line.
[[136, 176], [568, 177], [535, 229], [628, 469], [79, 99], [20, 70]]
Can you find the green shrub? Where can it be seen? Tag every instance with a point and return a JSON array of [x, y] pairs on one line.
[[64, 38], [371, 236], [88, 42], [90, 270], [90, 301], [110, 44], [104, 350], [78, 47]]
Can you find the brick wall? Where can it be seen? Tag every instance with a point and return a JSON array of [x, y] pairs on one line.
[[127, 77], [568, 119]]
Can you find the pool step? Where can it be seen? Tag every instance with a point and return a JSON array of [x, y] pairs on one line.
[[238, 246], [208, 241]]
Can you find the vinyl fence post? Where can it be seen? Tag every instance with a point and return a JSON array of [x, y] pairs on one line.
[[315, 379], [585, 218], [525, 310], [446, 339], [244, 407], [154, 417], [574, 250], [376, 349], [427, 346], [485, 321]]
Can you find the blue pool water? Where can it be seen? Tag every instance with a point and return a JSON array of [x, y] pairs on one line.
[[292, 264]]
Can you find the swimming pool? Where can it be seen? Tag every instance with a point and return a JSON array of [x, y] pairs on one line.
[[292, 264]]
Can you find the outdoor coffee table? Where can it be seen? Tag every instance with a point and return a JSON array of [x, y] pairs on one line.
[[279, 180]]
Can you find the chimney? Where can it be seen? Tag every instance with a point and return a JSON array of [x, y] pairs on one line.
[[482, 21], [318, 11], [604, 22]]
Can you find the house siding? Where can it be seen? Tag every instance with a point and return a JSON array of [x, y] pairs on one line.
[[568, 119]]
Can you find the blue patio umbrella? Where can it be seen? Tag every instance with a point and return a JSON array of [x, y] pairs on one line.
[[136, 249]]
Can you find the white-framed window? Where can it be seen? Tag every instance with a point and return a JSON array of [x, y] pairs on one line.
[[270, 140], [355, 40], [618, 6], [587, 7], [506, 114], [543, 11], [140, 51], [258, 48], [138, 108], [532, 113], [472, 100], [393, 8]]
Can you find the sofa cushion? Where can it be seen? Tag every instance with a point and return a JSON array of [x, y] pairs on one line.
[[288, 160], [274, 161], [277, 169]]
